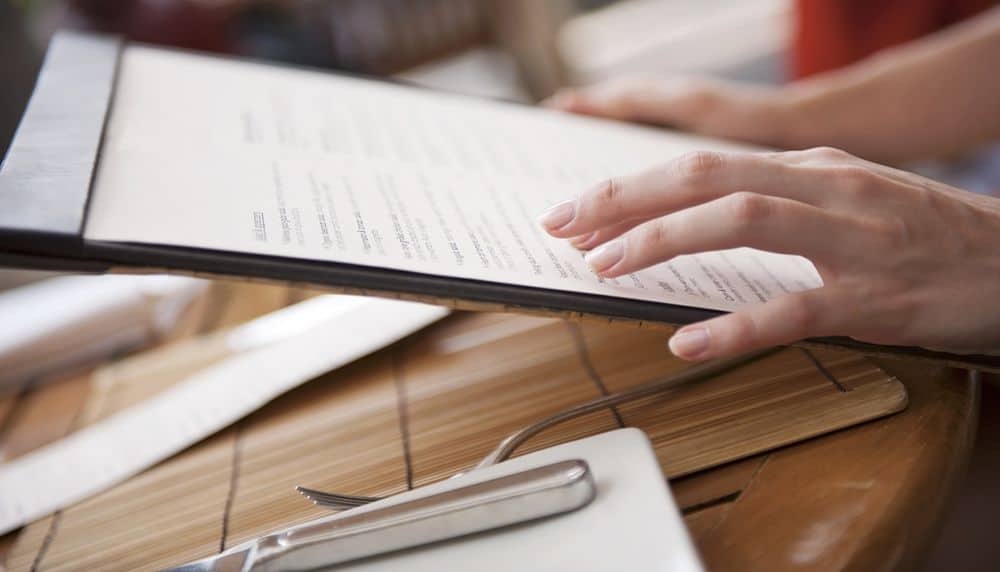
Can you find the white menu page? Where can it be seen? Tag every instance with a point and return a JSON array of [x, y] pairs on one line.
[[211, 153]]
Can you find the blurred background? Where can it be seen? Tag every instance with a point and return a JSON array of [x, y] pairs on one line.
[[524, 50], [513, 49], [521, 50], [518, 50]]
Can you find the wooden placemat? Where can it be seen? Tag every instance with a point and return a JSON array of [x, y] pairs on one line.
[[421, 410], [973, 362]]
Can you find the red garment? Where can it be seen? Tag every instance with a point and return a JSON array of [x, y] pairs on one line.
[[834, 33], [184, 23]]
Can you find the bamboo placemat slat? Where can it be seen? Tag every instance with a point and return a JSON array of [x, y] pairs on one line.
[[421, 410]]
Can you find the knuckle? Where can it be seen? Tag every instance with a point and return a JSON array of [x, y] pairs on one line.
[[610, 192], [929, 198], [853, 179], [895, 231], [653, 236], [742, 331], [748, 208], [697, 166], [748, 330], [646, 243], [828, 154]]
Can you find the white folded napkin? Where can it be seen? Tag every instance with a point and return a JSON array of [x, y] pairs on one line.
[[65, 322]]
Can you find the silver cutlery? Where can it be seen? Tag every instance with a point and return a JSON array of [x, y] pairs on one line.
[[513, 499]]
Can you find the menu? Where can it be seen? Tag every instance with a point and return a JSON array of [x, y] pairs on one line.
[[226, 155]]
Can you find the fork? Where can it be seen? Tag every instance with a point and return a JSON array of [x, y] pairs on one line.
[[701, 372]]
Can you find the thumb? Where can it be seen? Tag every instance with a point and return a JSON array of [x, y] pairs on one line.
[[784, 320]]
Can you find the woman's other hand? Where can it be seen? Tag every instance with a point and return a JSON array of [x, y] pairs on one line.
[[934, 98], [708, 107]]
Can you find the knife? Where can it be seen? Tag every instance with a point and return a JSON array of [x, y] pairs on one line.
[[529, 495]]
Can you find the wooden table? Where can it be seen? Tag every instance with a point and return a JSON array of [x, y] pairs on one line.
[[864, 498]]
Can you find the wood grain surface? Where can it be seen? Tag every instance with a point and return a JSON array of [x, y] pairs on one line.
[[984, 363], [861, 498]]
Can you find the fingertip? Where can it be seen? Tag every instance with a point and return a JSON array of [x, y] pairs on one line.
[[604, 259], [558, 217], [755, 327], [691, 343]]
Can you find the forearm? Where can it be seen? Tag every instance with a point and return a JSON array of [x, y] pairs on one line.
[[930, 99]]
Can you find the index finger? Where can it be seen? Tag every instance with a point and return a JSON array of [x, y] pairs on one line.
[[686, 181]]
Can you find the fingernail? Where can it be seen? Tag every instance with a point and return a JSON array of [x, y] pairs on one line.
[[605, 256], [690, 343], [582, 241], [558, 216]]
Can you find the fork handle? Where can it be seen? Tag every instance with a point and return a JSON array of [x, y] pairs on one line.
[[389, 526]]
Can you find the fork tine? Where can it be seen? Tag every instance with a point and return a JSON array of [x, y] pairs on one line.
[[312, 494], [332, 505], [350, 499], [315, 495], [331, 500]]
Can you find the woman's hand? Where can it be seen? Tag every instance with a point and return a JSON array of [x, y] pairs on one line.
[[904, 260], [708, 107], [934, 98]]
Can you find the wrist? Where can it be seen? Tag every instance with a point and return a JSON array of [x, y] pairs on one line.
[[834, 109], [796, 116], [776, 117]]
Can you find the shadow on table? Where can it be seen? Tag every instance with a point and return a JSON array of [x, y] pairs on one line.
[[968, 538]]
